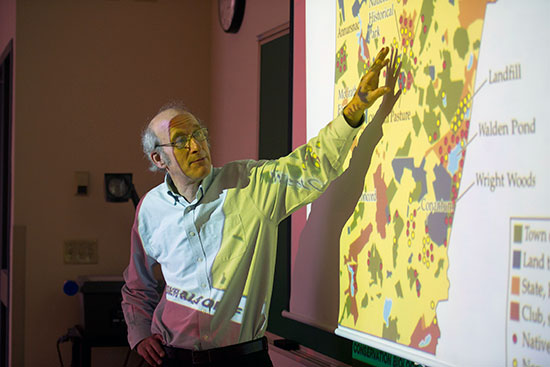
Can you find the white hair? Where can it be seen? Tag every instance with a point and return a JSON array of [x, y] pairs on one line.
[[150, 140]]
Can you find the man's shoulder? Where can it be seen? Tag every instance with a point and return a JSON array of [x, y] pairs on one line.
[[154, 197]]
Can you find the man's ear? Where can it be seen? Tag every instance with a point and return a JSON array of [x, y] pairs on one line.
[[157, 160]]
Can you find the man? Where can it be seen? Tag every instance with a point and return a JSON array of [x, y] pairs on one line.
[[214, 231]]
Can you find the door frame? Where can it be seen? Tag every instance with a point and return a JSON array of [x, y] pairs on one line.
[[6, 127]]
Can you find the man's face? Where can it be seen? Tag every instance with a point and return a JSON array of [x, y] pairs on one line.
[[193, 160]]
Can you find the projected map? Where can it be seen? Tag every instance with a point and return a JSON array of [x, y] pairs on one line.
[[394, 248]]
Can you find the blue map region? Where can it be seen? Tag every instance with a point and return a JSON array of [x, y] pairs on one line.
[[352, 282], [470, 61], [387, 311], [426, 341], [442, 183], [418, 173], [454, 158], [359, 35]]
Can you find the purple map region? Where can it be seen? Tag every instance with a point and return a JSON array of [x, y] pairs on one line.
[[418, 173], [442, 183]]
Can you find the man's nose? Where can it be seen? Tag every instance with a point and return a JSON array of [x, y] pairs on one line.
[[194, 145]]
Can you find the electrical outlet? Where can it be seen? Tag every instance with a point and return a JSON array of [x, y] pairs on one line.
[[80, 252]]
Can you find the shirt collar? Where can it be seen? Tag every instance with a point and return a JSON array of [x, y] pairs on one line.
[[203, 187]]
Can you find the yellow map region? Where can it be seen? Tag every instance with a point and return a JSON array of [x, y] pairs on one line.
[[393, 249]]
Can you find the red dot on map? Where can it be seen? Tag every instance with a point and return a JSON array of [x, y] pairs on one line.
[[419, 257], [444, 64], [422, 18], [425, 29], [448, 149], [368, 262], [467, 124], [446, 220], [414, 57], [384, 73], [432, 257], [414, 225], [417, 284], [407, 233], [426, 229], [396, 214], [389, 218], [400, 19], [455, 178], [415, 273], [380, 266], [403, 42], [515, 338], [344, 67], [445, 242], [337, 64], [410, 23], [383, 40], [340, 68], [431, 246], [418, 293], [408, 224], [368, 253], [414, 213], [427, 253]]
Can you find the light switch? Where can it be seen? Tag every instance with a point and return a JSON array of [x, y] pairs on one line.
[[82, 182]]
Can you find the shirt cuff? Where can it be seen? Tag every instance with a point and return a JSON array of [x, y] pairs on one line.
[[136, 335], [343, 128]]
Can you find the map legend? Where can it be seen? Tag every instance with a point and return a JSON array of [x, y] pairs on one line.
[[528, 319]]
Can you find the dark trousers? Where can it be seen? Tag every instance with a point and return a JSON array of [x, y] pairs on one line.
[[231, 356], [259, 359]]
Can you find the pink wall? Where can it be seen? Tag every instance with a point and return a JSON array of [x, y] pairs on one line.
[[90, 75], [7, 22], [234, 88]]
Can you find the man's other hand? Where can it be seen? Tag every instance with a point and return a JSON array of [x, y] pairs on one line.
[[367, 91], [151, 350]]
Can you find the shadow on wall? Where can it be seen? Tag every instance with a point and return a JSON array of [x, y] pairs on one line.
[[316, 268]]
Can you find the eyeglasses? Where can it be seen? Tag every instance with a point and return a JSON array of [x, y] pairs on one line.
[[182, 141]]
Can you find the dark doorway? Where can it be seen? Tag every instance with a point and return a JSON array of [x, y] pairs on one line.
[[275, 141]]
